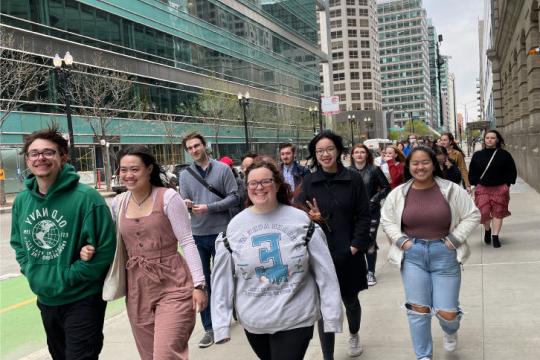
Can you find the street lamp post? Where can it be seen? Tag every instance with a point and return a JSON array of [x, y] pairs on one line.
[[440, 62], [63, 71], [243, 100], [367, 122], [313, 113], [412, 121], [351, 118]]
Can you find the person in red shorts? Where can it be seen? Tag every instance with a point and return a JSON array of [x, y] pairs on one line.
[[492, 171]]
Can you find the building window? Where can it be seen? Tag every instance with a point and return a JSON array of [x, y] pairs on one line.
[[353, 44], [335, 13], [337, 45], [368, 96], [364, 44], [364, 33], [336, 34], [365, 54], [353, 54], [368, 106], [335, 24], [337, 55], [366, 64], [339, 87], [353, 65], [363, 12], [342, 97], [338, 66], [362, 2], [357, 106], [356, 96], [350, 2], [339, 76], [351, 12], [366, 75], [352, 33], [355, 75], [351, 22], [367, 85], [335, 2], [364, 23], [355, 85]]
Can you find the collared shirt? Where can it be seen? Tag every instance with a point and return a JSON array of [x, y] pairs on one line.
[[288, 175]]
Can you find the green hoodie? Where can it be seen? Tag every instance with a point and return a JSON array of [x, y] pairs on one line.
[[48, 232]]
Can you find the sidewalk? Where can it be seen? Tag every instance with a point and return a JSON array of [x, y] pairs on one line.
[[500, 295]]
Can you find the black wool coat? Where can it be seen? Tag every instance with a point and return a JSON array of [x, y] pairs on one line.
[[344, 205]]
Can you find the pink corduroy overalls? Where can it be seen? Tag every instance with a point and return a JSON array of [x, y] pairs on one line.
[[159, 286]]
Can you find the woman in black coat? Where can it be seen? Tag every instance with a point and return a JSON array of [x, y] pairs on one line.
[[336, 198], [377, 187]]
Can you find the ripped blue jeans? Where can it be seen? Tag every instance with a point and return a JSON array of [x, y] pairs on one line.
[[431, 278]]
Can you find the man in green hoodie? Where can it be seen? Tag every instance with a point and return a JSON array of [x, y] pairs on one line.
[[53, 218]]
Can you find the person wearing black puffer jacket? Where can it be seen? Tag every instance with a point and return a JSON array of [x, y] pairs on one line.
[[377, 187]]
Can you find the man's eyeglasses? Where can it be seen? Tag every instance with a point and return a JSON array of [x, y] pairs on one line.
[[328, 150], [47, 154], [254, 184]]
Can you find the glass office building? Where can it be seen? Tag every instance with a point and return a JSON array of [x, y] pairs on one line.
[[173, 52], [405, 68]]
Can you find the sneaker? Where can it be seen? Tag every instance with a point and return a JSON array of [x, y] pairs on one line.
[[207, 340], [371, 279], [355, 349], [425, 358], [450, 342]]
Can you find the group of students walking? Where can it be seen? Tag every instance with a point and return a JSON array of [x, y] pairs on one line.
[[301, 244]]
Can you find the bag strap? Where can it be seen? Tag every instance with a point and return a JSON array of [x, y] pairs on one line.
[[489, 163], [310, 231], [309, 235], [204, 183]]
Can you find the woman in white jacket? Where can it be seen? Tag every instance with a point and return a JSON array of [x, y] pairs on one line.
[[428, 220]]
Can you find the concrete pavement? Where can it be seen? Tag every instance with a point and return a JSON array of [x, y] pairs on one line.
[[500, 295]]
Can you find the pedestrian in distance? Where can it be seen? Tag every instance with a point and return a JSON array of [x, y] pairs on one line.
[[240, 193], [409, 145], [393, 165], [292, 171], [164, 289], [209, 190], [274, 264], [455, 153], [492, 171], [377, 188], [449, 169], [53, 218], [428, 220], [335, 198]]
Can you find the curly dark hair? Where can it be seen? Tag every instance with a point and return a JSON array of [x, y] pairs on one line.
[[325, 134], [436, 168], [148, 159], [284, 194]]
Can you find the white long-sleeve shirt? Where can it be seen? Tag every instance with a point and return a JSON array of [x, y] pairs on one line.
[[277, 282]]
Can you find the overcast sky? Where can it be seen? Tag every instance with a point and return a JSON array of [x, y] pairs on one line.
[[457, 21]]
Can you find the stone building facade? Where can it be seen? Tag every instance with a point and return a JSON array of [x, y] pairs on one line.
[[516, 82]]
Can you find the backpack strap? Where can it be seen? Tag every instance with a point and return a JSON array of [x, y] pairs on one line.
[[226, 243], [310, 231]]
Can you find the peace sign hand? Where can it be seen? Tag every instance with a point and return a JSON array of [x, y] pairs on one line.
[[314, 213]]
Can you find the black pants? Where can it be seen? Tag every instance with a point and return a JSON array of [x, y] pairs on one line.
[[374, 226], [354, 315], [283, 345], [75, 331]]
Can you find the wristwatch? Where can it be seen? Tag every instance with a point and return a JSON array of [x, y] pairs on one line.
[[201, 287]]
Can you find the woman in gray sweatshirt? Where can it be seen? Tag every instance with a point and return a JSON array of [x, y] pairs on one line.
[[281, 279]]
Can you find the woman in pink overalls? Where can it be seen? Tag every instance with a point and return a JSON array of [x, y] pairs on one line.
[[164, 289]]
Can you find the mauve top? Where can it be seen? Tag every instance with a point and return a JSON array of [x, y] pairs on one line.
[[426, 214]]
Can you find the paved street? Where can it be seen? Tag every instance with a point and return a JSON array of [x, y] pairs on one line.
[[500, 295]]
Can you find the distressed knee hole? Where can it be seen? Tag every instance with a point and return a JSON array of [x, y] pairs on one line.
[[418, 308], [447, 315]]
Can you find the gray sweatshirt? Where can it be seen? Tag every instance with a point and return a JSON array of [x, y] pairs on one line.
[[221, 178], [277, 282]]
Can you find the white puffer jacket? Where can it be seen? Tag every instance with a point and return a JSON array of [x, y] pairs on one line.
[[465, 218]]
